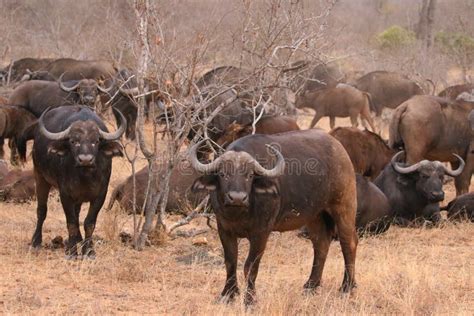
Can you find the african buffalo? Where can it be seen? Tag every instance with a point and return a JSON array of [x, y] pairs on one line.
[[340, 101], [21, 67], [72, 152], [73, 69], [36, 96], [415, 191], [267, 125], [13, 121], [179, 197], [433, 128], [387, 89], [374, 214], [315, 187], [17, 186], [453, 92], [462, 207], [368, 151]]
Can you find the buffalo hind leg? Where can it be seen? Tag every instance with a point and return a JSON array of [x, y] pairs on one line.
[[354, 122], [89, 226], [332, 122], [229, 243], [316, 119], [365, 114], [257, 247], [42, 193], [348, 239], [320, 233]]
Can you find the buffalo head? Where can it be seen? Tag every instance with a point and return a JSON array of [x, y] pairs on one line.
[[84, 140], [236, 175], [86, 89], [427, 175]]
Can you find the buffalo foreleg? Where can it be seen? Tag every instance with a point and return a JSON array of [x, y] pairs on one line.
[[42, 193], [89, 226], [316, 119], [71, 210], [320, 232], [257, 247], [229, 243], [463, 181]]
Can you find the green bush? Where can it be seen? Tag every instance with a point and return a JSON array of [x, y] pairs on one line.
[[457, 43], [395, 37]]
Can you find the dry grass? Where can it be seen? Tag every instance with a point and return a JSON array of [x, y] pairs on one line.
[[406, 271]]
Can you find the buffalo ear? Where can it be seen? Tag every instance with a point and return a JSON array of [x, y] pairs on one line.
[[265, 186], [58, 147], [112, 149], [204, 183]]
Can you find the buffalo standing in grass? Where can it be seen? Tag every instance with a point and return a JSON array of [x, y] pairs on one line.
[[433, 128], [72, 152], [315, 189], [340, 101], [387, 89]]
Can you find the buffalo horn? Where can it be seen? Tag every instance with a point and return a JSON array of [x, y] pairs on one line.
[[115, 135], [197, 165], [63, 87], [106, 90], [457, 172], [275, 171], [398, 166], [50, 135]]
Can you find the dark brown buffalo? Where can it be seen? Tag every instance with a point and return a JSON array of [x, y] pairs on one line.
[[387, 89], [17, 186], [461, 207], [267, 125], [37, 95], [21, 67], [13, 121], [415, 190], [453, 92], [72, 152], [433, 128], [254, 192], [368, 151], [340, 101], [374, 214], [180, 196], [73, 69]]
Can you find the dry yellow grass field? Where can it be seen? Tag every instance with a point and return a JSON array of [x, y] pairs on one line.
[[405, 271]]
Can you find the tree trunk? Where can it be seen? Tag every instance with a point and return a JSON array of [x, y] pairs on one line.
[[424, 30]]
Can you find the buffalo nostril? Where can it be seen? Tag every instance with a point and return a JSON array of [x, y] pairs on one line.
[[237, 198], [85, 159]]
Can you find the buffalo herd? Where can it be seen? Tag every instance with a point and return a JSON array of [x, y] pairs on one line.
[[270, 175]]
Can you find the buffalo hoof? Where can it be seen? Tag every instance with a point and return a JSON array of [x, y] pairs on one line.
[[89, 254], [347, 287], [311, 287], [228, 296], [250, 298], [71, 257], [34, 250]]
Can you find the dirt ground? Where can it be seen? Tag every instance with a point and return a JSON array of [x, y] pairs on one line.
[[405, 271]]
